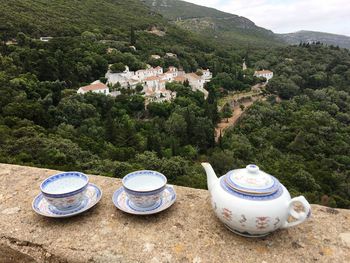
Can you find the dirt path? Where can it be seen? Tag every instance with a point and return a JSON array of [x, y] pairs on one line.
[[237, 112]]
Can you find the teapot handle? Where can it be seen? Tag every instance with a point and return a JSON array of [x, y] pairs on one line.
[[299, 216]]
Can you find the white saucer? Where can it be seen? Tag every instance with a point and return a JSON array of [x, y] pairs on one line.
[[92, 197], [121, 201]]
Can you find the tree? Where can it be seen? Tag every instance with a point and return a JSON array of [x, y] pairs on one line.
[[202, 133], [103, 80], [88, 35], [199, 72], [117, 67], [227, 81], [149, 160], [226, 111], [159, 109], [22, 39], [304, 181], [137, 103], [174, 167], [186, 83], [176, 126], [139, 88], [283, 87], [116, 86], [132, 36]]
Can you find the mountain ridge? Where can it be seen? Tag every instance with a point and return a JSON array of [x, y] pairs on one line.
[[308, 36], [229, 27], [223, 26]]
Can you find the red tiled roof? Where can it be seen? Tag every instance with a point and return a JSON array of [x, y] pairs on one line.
[[152, 78], [180, 79], [193, 75], [97, 86]]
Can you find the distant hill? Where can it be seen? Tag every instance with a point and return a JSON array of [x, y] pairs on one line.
[[312, 36], [210, 22], [110, 21], [64, 17]]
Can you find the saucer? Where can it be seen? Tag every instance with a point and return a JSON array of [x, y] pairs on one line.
[[92, 197], [122, 202]]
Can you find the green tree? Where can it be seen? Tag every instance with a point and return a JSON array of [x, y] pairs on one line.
[[139, 88], [283, 87], [117, 67], [226, 111], [176, 126], [132, 36]]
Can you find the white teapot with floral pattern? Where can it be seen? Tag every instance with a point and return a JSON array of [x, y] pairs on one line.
[[253, 203]]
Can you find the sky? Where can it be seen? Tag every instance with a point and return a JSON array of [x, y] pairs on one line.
[[285, 16]]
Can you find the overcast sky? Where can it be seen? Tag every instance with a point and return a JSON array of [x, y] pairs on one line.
[[285, 16]]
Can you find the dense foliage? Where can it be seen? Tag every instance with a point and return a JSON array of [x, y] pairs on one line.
[[43, 122], [300, 133], [305, 139], [65, 17]]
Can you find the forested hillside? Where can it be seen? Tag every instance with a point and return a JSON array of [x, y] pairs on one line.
[[300, 134], [66, 17], [231, 29], [45, 123], [305, 138]]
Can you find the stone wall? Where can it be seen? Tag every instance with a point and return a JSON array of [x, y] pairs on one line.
[[187, 232]]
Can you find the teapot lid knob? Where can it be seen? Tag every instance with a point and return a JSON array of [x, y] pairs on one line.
[[252, 168], [251, 181]]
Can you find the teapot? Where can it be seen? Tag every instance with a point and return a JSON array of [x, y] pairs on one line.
[[253, 203]]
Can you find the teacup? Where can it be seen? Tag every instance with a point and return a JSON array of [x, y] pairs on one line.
[[65, 191], [144, 188]]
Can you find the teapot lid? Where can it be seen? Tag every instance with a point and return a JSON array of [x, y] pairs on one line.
[[251, 181]]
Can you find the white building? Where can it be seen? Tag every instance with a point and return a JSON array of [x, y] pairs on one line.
[[146, 73], [196, 82], [159, 95], [244, 66], [45, 39], [95, 88], [264, 73], [155, 83], [172, 71], [170, 55], [155, 56], [154, 80], [207, 75], [125, 79]]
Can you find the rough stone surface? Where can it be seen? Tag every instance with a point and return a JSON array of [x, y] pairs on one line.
[[187, 232]]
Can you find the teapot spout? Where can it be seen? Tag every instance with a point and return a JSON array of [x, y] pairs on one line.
[[212, 179]]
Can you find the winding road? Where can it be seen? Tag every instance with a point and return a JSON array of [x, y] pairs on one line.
[[237, 112]]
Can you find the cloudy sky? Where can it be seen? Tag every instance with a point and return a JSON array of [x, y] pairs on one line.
[[284, 16]]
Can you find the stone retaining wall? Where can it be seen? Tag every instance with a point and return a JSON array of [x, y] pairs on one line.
[[187, 232]]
